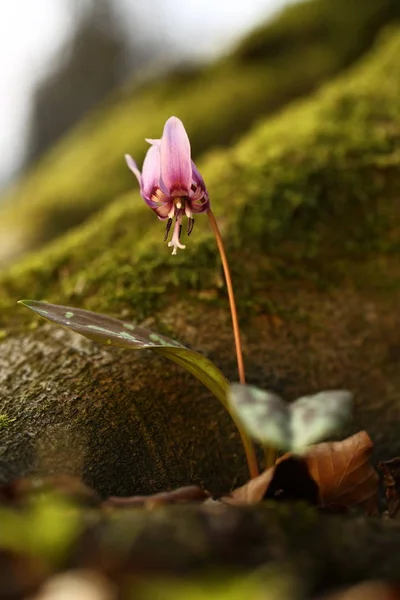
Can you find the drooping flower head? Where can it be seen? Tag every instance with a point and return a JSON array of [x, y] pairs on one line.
[[170, 182]]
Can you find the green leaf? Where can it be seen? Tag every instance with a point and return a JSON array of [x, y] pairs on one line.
[[308, 420], [124, 334]]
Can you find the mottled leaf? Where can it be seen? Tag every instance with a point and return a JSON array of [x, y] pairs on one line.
[[270, 420], [341, 470], [124, 334]]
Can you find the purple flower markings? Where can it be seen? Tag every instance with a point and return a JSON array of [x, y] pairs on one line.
[[170, 182]]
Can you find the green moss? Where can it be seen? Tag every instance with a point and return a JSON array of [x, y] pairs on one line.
[[5, 421], [335, 26], [45, 531], [302, 47], [267, 583], [311, 193]]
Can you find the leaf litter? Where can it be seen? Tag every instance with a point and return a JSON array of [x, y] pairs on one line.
[[341, 470]]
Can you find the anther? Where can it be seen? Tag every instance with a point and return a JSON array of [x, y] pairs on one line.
[[190, 226], [169, 223]]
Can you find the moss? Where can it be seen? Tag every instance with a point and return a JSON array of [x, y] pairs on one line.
[[307, 202], [270, 584], [331, 25], [287, 186], [302, 47], [5, 421], [45, 531]]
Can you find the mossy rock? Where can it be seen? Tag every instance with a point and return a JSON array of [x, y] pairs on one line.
[[303, 46], [308, 205]]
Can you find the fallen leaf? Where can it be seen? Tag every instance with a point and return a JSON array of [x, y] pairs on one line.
[[341, 470], [288, 480], [344, 473], [251, 492]]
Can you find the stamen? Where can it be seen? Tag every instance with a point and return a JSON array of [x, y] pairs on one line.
[[168, 227], [175, 242], [180, 231], [190, 226]]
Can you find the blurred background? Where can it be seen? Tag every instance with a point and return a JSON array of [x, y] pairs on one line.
[[60, 58], [85, 81]]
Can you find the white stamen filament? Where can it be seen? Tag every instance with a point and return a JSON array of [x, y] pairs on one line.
[[175, 236]]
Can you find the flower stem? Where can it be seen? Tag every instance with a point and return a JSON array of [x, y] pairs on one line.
[[247, 443], [231, 296], [270, 456]]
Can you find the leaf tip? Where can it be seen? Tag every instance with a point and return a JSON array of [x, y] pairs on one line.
[[24, 303], [34, 305]]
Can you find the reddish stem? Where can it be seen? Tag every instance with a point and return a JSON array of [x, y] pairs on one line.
[[247, 444]]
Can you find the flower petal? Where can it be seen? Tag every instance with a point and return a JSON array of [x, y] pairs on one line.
[[199, 200], [165, 210], [133, 167], [151, 172], [153, 142], [197, 178], [176, 167], [199, 193], [200, 206]]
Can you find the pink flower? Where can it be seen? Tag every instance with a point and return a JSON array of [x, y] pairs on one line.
[[170, 182]]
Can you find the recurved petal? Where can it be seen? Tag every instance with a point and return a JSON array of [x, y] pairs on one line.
[[153, 142], [200, 205], [199, 196], [151, 172], [176, 165], [133, 167], [197, 178]]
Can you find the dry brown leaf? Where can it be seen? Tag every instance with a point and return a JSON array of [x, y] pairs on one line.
[[251, 492], [290, 480], [344, 473], [341, 469]]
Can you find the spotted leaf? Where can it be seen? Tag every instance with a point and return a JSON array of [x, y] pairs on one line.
[[124, 334], [309, 419]]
